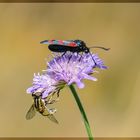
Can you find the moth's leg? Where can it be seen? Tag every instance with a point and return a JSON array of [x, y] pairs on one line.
[[80, 56], [64, 53]]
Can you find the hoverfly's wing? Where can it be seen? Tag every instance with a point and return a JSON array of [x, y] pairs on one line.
[[31, 112], [69, 43], [52, 118], [49, 113]]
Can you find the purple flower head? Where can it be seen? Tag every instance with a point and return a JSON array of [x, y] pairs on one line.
[[73, 68], [70, 68], [43, 84]]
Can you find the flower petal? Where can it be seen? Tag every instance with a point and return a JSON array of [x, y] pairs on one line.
[[89, 77], [80, 84], [45, 94], [30, 90]]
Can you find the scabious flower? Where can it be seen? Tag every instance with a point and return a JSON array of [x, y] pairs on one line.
[[73, 68], [70, 68]]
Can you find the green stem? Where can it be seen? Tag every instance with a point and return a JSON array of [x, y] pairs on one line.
[[77, 99]]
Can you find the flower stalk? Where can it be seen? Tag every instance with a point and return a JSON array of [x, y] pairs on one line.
[[77, 99]]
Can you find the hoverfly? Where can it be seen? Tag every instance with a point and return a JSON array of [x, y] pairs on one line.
[[39, 105]]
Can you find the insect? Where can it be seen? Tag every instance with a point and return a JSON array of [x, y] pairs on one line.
[[69, 45], [39, 105]]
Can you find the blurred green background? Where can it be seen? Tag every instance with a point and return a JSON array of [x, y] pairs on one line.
[[112, 103]]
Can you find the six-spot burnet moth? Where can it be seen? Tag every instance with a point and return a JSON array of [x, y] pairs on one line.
[[63, 46]]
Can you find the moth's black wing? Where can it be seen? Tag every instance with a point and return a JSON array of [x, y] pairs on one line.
[[58, 48]]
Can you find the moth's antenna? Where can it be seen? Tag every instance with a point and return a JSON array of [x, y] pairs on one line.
[[106, 49]]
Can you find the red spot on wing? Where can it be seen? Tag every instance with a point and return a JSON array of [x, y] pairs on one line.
[[72, 44], [61, 42], [51, 41]]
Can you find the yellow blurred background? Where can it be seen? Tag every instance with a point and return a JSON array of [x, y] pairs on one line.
[[112, 103]]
